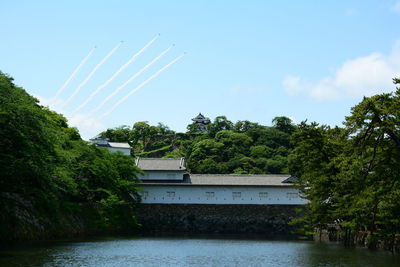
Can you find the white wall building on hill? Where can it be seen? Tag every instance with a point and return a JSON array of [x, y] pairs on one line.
[[102, 141], [166, 181], [157, 169]]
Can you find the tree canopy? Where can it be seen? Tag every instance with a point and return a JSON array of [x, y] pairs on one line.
[[351, 175], [227, 147], [46, 163]]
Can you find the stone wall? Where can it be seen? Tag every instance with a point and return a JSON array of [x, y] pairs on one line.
[[269, 220]]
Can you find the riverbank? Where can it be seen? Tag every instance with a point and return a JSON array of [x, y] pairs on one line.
[[361, 239], [24, 219], [23, 223]]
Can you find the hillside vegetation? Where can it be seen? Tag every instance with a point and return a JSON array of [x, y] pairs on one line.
[[52, 183], [243, 147]]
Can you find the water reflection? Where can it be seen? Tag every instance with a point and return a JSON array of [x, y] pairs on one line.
[[193, 251]]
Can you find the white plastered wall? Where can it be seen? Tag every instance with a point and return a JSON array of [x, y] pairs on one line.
[[220, 195], [164, 175]]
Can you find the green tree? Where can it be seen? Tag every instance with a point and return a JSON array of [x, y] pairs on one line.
[[142, 134], [118, 134], [313, 162], [205, 152], [50, 174], [233, 144], [164, 130], [220, 123], [244, 126], [261, 151], [270, 137], [370, 172], [193, 128], [351, 175], [26, 141], [284, 124]]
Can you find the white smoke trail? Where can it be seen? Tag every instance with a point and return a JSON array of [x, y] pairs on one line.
[[122, 100], [123, 67], [137, 74], [87, 79], [61, 89]]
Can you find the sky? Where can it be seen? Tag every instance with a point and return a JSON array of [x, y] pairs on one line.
[[246, 60]]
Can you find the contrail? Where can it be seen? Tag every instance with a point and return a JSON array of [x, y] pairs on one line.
[[61, 89], [137, 74], [123, 67], [122, 100], [91, 74]]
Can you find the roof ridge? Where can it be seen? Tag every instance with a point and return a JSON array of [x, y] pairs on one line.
[[160, 158], [233, 174]]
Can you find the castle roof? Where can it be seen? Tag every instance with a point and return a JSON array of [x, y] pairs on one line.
[[119, 145], [161, 164], [102, 141], [99, 137], [201, 118], [258, 180], [240, 179]]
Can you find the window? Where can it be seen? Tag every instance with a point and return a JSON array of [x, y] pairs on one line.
[[170, 194], [263, 194], [171, 175], [236, 194], [210, 194], [292, 195], [144, 194]]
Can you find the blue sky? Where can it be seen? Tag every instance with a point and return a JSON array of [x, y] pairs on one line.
[[249, 60]]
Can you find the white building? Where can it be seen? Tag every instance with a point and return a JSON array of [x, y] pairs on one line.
[[166, 181], [158, 169], [101, 141]]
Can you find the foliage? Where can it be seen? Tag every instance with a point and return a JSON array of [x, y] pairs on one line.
[[45, 163], [241, 147], [118, 134], [220, 123], [351, 175], [284, 124]]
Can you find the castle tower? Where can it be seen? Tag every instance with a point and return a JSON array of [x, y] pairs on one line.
[[202, 122]]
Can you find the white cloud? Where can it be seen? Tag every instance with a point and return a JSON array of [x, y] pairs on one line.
[[88, 125], [396, 7], [292, 84], [363, 76]]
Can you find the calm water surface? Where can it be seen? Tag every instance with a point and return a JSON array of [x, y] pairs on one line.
[[192, 251]]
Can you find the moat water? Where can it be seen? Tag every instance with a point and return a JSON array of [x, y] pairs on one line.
[[192, 251]]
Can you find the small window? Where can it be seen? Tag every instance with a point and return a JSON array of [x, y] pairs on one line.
[[170, 194], [171, 175], [263, 194], [210, 194], [144, 194], [236, 194], [292, 195]]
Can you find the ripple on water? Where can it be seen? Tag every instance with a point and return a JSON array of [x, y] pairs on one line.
[[186, 251]]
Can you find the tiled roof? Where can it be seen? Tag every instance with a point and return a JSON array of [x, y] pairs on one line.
[[119, 145], [161, 164], [98, 137], [201, 117], [240, 179]]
